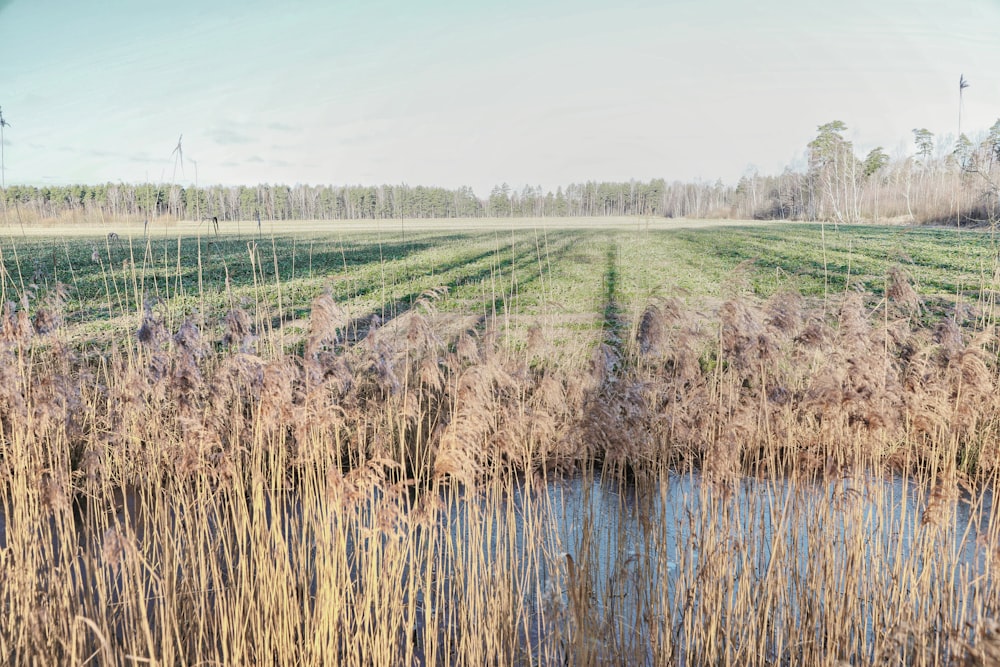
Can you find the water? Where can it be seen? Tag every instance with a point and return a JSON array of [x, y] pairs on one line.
[[844, 543], [629, 561]]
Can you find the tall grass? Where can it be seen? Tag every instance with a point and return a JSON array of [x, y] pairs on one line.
[[434, 486]]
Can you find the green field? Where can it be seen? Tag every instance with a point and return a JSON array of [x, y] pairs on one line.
[[519, 271]]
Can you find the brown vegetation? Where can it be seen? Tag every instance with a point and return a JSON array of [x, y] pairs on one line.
[[206, 494]]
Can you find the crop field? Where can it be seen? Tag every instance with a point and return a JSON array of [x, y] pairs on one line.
[[615, 441]]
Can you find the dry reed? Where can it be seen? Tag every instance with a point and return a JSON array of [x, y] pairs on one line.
[[195, 496]]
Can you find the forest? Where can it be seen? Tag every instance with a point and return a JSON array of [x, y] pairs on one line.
[[942, 181]]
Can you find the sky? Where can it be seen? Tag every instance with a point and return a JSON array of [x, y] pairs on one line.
[[451, 93]]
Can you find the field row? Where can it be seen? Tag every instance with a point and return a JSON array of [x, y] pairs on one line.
[[514, 271]]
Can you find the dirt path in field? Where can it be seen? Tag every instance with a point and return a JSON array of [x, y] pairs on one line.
[[249, 229]]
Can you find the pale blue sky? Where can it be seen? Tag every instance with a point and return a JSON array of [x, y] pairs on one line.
[[449, 93]]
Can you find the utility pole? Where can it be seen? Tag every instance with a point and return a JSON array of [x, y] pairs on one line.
[[962, 85], [3, 175]]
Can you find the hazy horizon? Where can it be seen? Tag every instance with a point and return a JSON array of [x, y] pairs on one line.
[[542, 94]]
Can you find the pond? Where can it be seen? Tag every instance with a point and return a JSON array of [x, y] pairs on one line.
[[673, 568]]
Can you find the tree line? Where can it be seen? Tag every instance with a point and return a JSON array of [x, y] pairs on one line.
[[360, 202], [941, 181]]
